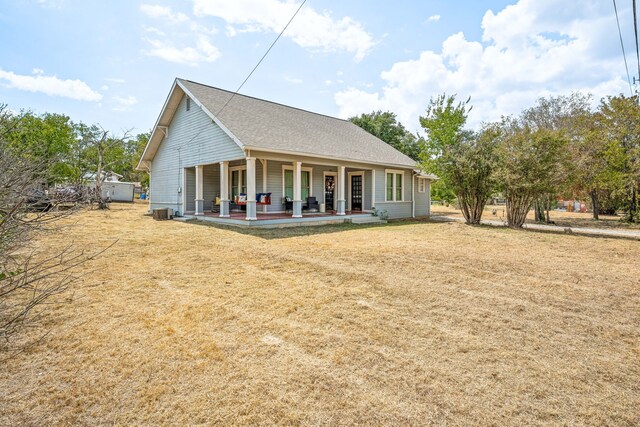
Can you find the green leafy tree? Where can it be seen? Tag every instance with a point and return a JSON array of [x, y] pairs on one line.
[[463, 160], [45, 139], [137, 146], [619, 121], [598, 161], [528, 162], [385, 126], [441, 192], [562, 114]]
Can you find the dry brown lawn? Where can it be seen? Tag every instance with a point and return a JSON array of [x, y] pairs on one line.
[[560, 218], [414, 323]]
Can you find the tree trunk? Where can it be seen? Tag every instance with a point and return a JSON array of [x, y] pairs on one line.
[[102, 203], [549, 199], [472, 206], [633, 208], [518, 206], [538, 209], [596, 204]]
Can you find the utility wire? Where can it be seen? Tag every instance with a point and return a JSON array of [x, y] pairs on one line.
[[624, 55], [267, 52], [247, 78], [635, 27]]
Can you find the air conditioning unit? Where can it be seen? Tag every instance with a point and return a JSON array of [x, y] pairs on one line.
[[161, 214]]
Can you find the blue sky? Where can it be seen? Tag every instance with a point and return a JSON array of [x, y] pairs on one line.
[[113, 62]]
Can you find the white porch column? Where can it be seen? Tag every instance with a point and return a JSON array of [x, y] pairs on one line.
[[251, 189], [297, 190], [341, 192], [199, 190], [265, 208], [224, 189], [373, 188]]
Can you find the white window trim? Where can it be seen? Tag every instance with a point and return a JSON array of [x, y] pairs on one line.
[[305, 169], [349, 175], [422, 183], [231, 170], [393, 193]]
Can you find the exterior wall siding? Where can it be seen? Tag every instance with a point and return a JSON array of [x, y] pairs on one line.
[[367, 191], [274, 185], [423, 200], [190, 189], [211, 185], [394, 209], [192, 140]]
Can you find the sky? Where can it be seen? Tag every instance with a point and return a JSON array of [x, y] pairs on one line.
[[113, 62]]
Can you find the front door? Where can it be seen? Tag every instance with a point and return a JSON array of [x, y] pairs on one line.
[[356, 192], [329, 188]]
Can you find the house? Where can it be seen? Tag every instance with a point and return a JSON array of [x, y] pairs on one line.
[[251, 159]]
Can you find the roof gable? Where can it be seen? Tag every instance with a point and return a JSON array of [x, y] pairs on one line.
[[264, 125]]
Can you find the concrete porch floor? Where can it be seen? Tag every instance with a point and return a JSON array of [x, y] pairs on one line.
[[278, 220]]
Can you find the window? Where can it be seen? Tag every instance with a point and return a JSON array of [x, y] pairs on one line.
[[288, 184], [305, 182], [394, 186], [422, 185], [238, 182], [188, 103]]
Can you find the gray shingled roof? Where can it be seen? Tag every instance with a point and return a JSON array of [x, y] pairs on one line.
[[261, 124]]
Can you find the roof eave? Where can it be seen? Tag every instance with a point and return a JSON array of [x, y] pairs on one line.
[[155, 128], [319, 156]]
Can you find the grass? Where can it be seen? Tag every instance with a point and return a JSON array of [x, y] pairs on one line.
[[560, 218], [411, 323]]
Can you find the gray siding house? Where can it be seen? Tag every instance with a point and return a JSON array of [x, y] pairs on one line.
[[218, 155]]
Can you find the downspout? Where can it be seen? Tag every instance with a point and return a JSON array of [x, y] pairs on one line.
[[413, 195]]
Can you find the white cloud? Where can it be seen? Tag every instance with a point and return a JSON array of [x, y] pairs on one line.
[[115, 80], [178, 44], [50, 85], [204, 51], [124, 103], [310, 29], [157, 11], [154, 30], [293, 80], [37, 71], [528, 50], [51, 4], [433, 18]]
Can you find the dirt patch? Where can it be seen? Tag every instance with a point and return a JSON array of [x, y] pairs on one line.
[[410, 323]]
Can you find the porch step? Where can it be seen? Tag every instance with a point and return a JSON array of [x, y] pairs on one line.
[[367, 220]]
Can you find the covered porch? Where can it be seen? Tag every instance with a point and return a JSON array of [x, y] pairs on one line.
[[275, 220], [271, 189]]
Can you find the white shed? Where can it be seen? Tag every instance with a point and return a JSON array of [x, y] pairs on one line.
[[117, 191]]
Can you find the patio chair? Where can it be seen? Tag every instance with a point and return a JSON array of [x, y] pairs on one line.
[[312, 204], [288, 204]]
